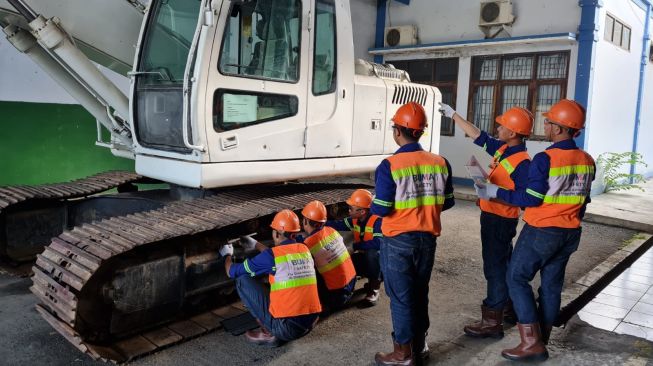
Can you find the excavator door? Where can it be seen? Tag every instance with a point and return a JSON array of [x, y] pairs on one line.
[[257, 81]]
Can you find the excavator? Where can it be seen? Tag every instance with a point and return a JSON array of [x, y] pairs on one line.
[[233, 103]]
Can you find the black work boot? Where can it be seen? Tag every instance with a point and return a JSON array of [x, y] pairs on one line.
[[372, 292]]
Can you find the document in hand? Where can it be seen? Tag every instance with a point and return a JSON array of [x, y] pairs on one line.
[[476, 171]]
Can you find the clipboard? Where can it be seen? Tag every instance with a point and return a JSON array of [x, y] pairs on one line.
[[476, 171]]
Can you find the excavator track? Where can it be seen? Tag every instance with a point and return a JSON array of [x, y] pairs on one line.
[[75, 268], [30, 215], [13, 195]]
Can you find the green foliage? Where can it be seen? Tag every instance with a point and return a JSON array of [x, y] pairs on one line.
[[613, 165]]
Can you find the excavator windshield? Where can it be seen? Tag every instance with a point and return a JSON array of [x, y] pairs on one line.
[[160, 75]]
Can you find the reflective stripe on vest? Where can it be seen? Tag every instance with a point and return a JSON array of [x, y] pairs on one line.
[[369, 229], [332, 259], [293, 287], [500, 175], [570, 181], [420, 179]]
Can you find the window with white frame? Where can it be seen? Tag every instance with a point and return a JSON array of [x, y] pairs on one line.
[[617, 32], [534, 81]]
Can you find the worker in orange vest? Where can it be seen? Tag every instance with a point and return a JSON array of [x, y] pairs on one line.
[[367, 233], [499, 220], [413, 187], [292, 307], [560, 179], [337, 274]]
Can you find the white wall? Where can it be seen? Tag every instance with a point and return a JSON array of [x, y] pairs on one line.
[[363, 16], [611, 116], [447, 20], [21, 80]]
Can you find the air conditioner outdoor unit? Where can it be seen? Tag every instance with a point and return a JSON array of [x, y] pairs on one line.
[[496, 12], [403, 35]]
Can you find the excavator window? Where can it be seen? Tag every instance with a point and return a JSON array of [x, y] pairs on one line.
[[160, 78], [234, 109], [324, 65], [261, 40]]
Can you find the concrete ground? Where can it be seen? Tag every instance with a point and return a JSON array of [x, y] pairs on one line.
[[352, 336]]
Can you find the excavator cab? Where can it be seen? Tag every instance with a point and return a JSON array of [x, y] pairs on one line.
[[223, 87]]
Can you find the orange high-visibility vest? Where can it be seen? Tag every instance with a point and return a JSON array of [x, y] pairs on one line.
[[368, 230], [570, 180], [500, 175], [293, 287], [331, 258], [420, 177]]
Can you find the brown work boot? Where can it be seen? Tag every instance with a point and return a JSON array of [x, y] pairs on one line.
[[402, 355], [373, 291], [262, 336], [491, 324], [546, 333], [509, 315], [530, 348]]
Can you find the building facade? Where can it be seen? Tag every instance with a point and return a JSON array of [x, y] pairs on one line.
[[593, 51]]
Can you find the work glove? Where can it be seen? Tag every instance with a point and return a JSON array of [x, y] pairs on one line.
[[248, 243], [486, 191], [446, 110], [226, 250]]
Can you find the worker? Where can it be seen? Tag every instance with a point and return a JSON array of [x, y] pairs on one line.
[[560, 179], [367, 232], [413, 187], [292, 306], [337, 274], [509, 169]]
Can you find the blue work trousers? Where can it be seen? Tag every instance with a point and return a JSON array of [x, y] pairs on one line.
[[496, 240], [406, 262], [367, 263], [257, 299], [544, 249], [333, 300]]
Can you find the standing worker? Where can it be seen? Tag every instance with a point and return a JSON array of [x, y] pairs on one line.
[[560, 179], [498, 219], [367, 233], [291, 308], [413, 187], [332, 260]]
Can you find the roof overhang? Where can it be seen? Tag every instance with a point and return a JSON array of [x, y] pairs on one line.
[[471, 45]]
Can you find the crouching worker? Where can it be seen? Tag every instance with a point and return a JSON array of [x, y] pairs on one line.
[[332, 260], [291, 307], [367, 233]]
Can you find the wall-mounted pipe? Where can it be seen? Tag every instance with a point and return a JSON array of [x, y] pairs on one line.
[[642, 78], [587, 39]]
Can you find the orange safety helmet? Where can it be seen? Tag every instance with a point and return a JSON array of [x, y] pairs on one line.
[[360, 198], [315, 211], [568, 113], [518, 120], [286, 221], [411, 115]]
